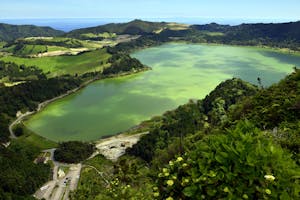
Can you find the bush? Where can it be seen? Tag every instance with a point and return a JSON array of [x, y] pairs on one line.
[[19, 131], [241, 164]]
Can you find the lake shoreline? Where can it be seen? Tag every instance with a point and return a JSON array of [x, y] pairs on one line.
[[23, 116], [181, 75], [265, 47]]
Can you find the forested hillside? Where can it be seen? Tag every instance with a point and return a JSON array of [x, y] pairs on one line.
[[281, 35], [135, 27], [11, 32]]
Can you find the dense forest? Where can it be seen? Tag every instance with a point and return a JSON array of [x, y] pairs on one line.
[[13, 72], [121, 63], [20, 176], [277, 35], [73, 151]]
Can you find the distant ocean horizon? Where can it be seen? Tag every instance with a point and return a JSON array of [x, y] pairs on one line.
[[68, 24]]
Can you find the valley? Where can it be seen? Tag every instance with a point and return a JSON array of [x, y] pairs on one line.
[[150, 110]]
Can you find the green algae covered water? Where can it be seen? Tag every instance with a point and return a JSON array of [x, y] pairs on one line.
[[180, 72]]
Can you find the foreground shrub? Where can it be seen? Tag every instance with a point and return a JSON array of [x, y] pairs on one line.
[[242, 164]]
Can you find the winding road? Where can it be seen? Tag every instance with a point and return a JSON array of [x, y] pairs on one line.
[[18, 120]]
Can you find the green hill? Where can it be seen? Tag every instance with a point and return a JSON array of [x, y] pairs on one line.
[[11, 32], [279, 31], [135, 27], [272, 34]]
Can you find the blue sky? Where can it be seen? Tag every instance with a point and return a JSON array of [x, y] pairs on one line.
[[246, 9]]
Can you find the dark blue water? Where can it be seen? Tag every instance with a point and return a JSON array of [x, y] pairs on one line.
[[69, 24]]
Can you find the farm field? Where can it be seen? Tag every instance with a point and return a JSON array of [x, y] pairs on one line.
[[59, 65]]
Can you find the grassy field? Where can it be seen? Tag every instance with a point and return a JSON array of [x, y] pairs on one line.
[[37, 141], [56, 48], [99, 35], [34, 140], [32, 49], [37, 45], [59, 65], [213, 33]]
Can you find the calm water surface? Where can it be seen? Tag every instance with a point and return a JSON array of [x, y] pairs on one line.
[[180, 72]]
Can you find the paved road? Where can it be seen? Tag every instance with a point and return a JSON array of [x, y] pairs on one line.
[[73, 177], [59, 188], [18, 120]]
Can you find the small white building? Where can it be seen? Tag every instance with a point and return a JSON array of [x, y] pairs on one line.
[[61, 173]]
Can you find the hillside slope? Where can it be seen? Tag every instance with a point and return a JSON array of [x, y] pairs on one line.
[[273, 34], [135, 27], [279, 31], [11, 32]]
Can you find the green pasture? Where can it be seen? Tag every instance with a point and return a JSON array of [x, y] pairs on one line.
[[59, 65]]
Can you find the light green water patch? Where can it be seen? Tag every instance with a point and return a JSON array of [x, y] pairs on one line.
[[179, 72]]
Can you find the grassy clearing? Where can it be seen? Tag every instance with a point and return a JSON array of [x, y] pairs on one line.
[[213, 33], [97, 44], [173, 26], [56, 48], [31, 139], [38, 141], [59, 65], [176, 26], [98, 162], [32, 49], [9, 49], [99, 35], [26, 50]]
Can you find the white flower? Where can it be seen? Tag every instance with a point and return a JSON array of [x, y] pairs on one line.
[[179, 159], [170, 182], [268, 191], [269, 177], [165, 170]]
